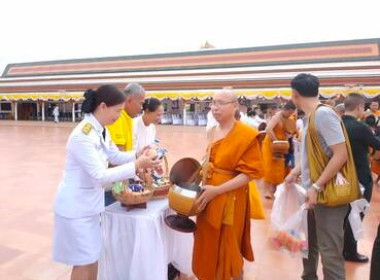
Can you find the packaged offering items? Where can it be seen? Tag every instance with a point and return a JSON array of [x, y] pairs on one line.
[[291, 240], [291, 236], [159, 182], [136, 187], [161, 153], [118, 187]]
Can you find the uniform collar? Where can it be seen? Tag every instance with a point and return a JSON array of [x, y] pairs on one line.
[[95, 123]]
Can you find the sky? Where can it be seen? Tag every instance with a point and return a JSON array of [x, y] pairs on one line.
[[41, 30]]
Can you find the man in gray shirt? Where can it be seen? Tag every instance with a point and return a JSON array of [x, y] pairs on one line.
[[325, 223]]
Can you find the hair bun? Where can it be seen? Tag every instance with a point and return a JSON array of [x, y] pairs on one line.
[[88, 105], [89, 94]]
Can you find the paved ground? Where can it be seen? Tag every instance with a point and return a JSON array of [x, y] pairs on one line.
[[31, 161]]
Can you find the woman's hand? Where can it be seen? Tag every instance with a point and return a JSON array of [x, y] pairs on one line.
[[141, 152], [208, 194], [145, 161]]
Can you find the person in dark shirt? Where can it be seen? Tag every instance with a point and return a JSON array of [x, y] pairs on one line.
[[361, 138]]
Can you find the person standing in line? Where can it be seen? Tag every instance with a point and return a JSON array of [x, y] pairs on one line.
[[326, 224], [361, 138], [274, 166]]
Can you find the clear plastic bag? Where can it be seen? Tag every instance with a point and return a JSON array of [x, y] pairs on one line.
[[289, 221], [287, 202], [357, 207], [292, 236]]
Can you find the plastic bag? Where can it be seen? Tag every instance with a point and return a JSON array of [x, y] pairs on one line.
[[292, 237], [356, 223], [289, 220], [287, 202]]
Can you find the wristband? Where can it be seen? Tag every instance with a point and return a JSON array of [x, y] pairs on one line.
[[317, 188]]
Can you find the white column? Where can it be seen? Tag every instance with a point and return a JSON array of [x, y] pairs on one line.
[[73, 111], [184, 115], [38, 109], [16, 112], [43, 111]]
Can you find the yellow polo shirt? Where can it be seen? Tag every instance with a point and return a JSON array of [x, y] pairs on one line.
[[121, 131]]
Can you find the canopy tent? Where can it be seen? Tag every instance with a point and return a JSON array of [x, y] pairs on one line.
[[44, 96], [266, 93]]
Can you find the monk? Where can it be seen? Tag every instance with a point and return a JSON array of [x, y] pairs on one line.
[[277, 129], [222, 238], [373, 109]]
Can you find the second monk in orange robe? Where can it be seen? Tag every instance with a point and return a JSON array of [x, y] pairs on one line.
[[277, 129]]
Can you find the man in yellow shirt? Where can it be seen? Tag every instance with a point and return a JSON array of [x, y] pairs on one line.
[[121, 130]]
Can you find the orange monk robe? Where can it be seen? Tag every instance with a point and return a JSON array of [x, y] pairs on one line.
[[375, 167], [375, 163], [222, 237], [274, 168]]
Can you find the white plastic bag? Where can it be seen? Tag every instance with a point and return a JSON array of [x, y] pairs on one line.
[[287, 202], [292, 236], [289, 221], [357, 207]]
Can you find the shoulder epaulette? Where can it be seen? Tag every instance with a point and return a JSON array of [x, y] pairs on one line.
[[86, 129]]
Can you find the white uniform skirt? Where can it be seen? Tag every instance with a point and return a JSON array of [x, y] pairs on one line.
[[77, 241]]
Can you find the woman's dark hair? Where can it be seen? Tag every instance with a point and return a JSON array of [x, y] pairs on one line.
[[108, 94], [306, 85], [151, 104]]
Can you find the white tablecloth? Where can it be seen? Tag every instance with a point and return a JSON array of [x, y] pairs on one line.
[[138, 245]]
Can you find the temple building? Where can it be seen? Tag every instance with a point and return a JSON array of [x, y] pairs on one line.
[[186, 81]]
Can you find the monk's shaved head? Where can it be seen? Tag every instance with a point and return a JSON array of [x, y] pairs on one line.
[[226, 95]]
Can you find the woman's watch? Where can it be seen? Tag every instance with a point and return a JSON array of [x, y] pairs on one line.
[[317, 188]]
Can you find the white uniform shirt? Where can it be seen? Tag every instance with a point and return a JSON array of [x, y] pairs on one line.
[[142, 135], [81, 192]]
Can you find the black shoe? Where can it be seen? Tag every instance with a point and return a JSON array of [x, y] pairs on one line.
[[172, 272], [359, 258]]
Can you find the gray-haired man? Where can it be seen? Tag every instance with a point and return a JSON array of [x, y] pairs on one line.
[[121, 130]]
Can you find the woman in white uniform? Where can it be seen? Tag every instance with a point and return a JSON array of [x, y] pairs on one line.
[[80, 197], [144, 129]]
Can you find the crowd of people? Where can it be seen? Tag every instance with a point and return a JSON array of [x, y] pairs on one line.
[[321, 142]]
